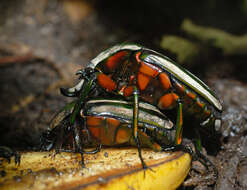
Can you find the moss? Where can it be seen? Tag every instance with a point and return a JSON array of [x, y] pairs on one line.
[[185, 50], [229, 44]]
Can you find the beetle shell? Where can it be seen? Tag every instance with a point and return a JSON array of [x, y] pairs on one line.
[[120, 109], [109, 122], [160, 81], [160, 63]]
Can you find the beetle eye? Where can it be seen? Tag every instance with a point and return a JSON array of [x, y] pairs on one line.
[[217, 124]]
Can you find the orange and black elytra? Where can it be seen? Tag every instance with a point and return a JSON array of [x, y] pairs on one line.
[[137, 73]]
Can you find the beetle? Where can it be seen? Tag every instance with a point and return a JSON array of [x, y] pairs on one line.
[[138, 73], [108, 122]]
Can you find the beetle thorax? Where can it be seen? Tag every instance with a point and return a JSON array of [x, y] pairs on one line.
[[125, 75]]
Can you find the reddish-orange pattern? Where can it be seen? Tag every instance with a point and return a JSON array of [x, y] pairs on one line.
[[106, 82], [112, 61]]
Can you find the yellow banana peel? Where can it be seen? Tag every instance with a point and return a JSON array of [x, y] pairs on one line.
[[111, 169]]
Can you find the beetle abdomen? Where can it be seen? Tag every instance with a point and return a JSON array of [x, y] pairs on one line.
[[194, 103], [110, 123]]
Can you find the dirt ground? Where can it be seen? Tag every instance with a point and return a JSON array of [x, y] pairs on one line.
[[43, 43]]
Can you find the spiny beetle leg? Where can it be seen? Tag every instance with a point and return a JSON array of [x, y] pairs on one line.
[[179, 124]]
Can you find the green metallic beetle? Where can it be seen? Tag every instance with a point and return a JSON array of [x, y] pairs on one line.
[[108, 122], [137, 73]]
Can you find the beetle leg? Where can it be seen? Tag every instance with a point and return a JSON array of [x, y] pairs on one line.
[[135, 113], [85, 128], [179, 147], [197, 155], [148, 141], [87, 86], [205, 161], [144, 166], [197, 141], [59, 141], [135, 126], [78, 144], [179, 124]]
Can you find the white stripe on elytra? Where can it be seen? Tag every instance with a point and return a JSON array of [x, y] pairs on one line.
[[141, 104], [111, 51], [183, 76]]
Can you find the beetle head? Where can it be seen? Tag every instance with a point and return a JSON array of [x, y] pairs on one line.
[[84, 75]]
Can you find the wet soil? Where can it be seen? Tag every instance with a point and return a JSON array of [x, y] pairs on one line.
[[43, 43]]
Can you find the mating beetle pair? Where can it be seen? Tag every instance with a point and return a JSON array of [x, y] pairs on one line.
[[136, 73]]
